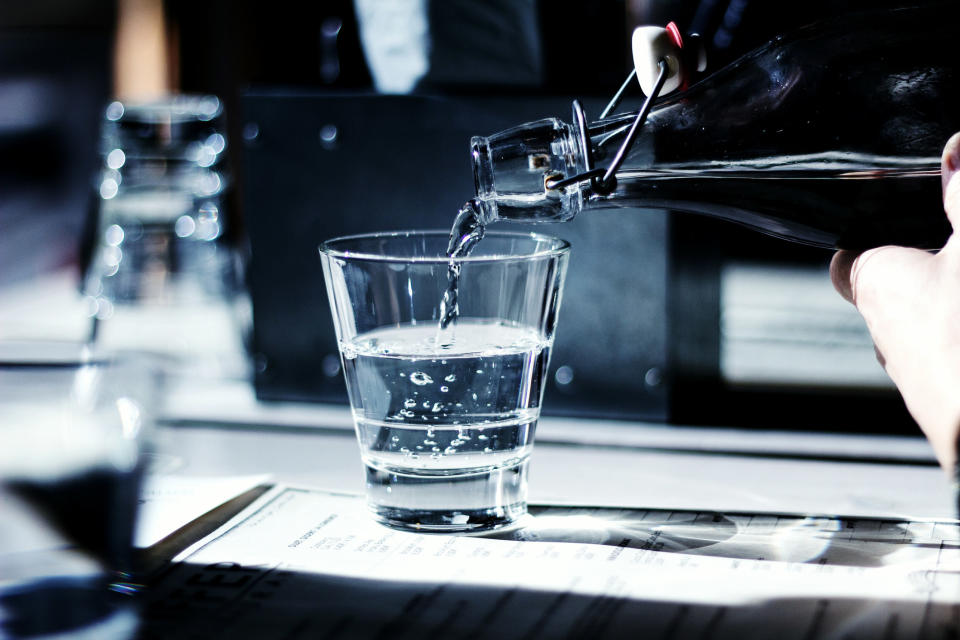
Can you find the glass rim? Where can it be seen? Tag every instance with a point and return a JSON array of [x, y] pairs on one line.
[[560, 247]]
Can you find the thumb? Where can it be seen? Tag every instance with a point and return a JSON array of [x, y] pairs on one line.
[[840, 267], [877, 278], [949, 168]]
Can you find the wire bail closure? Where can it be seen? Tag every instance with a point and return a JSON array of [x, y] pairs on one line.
[[604, 181]]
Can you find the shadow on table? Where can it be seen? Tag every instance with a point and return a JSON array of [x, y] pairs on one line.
[[229, 601]]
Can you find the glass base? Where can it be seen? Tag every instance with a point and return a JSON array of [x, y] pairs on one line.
[[445, 521], [456, 501]]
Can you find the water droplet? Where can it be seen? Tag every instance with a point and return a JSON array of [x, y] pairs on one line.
[[419, 378], [450, 378], [426, 441], [430, 432], [435, 449], [436, 407], [395, 438], [409, 403], [406, 413], [450, 450], [444, 388], [479, 370], [426, 404], [481, 437], [487, 449], [474, 396]]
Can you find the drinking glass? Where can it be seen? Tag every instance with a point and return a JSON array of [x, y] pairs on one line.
[[445, 417], [160, 220], [73, 424], [163, 276]]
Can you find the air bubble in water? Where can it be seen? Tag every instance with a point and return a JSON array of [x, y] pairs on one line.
[[419, 378]]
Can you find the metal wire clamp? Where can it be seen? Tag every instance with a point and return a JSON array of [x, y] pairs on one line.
[[604, 181]]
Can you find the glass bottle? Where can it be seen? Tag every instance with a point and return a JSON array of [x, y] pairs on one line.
[[829, 136]]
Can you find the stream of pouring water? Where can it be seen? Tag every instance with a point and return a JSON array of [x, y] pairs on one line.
[[467, 231]]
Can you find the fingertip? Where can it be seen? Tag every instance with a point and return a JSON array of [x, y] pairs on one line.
[[949, 169], [841, 266], [950, 160]]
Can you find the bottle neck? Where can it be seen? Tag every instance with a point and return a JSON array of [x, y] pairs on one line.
[[511, 170]]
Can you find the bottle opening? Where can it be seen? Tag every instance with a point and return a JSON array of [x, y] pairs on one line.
[[483, 177]]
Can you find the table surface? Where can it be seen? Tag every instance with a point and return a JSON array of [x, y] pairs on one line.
[[740, 508], [217, 429]]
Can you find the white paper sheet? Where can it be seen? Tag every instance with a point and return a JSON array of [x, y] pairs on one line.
[[311, 560], [169, 502]]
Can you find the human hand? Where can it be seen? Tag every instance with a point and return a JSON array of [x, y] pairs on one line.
[[910, 300]]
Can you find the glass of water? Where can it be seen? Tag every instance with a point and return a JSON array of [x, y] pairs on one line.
[[445, 416]]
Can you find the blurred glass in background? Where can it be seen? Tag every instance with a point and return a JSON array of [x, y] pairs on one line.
[[161, 278]]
